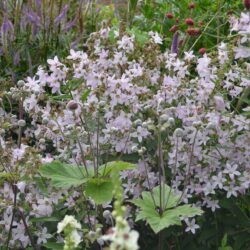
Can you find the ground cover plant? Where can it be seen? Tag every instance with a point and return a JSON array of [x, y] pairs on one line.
[[131, 140]]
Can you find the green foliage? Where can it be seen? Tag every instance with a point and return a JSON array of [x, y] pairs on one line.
[[54, 245], [45, 219], [112, 166], [63, 175], [140, 36], [160, 208], [224, 244], [100, 190]]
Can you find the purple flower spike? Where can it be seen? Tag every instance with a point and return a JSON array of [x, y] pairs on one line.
[[62, 15], [69, 25], [33, 18], [6, 26], [174, 46]]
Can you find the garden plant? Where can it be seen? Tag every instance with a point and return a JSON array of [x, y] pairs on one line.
[[125, 125]]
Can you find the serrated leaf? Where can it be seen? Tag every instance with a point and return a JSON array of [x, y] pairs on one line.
[[167, 220], [63, 175], [150, 204], [118, 166], [99, 190], [186, 211]]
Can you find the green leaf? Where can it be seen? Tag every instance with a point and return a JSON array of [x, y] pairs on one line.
[[54, 245], [140, 36], [112, 37], [164, 197], [167, 220], [224, 241], [169, 199], [61, 97], [107, 168], [85, 95], [45, 219], [63, 175], [100, 190], [186, 211]]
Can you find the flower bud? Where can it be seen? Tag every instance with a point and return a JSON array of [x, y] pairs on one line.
[[98, 231], [106, 214], [197, 124], [12, 89], [20, 83], [21, 123], [119, 219], [42, 141], [179, 132], [134, 149], [45, 120], [37, 92], [72, 105], [163, 117], [102, 103], [137, 122], [164, 127], [171, 121], [151, 127], [91, 234], [202, 51]]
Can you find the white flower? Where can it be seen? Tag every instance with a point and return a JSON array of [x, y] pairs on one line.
[[231, 170], [191, 226], [18, 153], [189, 56], [156, 38], [43, 236], [231, 190], [126, 43], [242, 52], [222, 53], [54, 62], [70, 221], [74, 239], [21, 186], [122, 238]]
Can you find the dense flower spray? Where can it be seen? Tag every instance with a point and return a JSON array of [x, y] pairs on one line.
[[110, 100]]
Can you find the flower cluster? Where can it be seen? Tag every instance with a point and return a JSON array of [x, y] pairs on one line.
[[122, 237], [69, 226], [119, 98]]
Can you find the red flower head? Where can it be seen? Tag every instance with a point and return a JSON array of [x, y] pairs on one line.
[[169, 15], [247, 4], [191, 6], [193, 31], [189, 21], [202, 51]]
